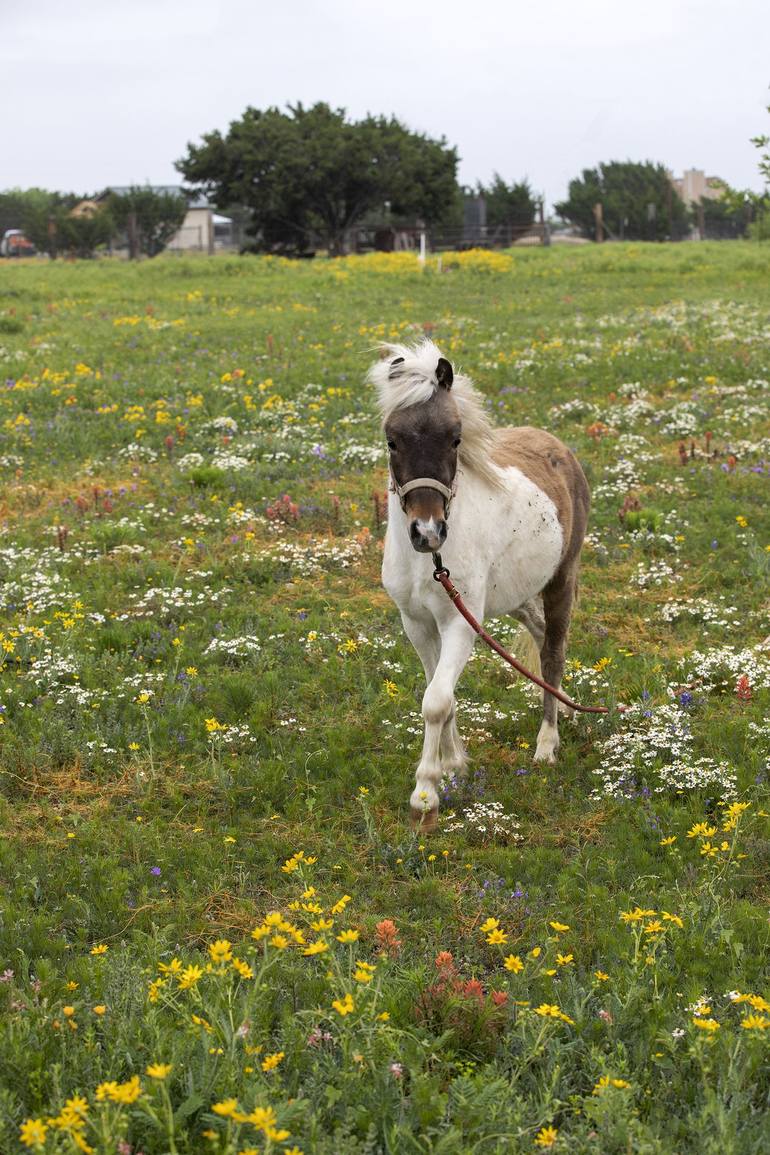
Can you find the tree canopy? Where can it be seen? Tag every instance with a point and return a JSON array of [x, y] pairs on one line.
[[626, 192], [311, 172], [156, 216], [509, 206]]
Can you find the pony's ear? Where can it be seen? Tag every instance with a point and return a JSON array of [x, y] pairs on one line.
[[393, 371], [444, 374]]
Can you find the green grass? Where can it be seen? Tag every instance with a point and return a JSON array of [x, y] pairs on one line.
[[202, 679]]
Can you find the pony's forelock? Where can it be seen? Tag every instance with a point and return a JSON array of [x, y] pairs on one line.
[[412, 381]]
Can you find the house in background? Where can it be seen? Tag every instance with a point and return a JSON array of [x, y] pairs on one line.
[[694, 186], [202, 231]]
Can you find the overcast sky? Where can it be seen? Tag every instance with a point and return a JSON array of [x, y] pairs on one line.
[[96, 92]]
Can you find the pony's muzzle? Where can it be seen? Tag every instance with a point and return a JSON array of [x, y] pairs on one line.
[[428, 536]]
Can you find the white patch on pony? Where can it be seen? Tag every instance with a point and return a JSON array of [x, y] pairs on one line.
[[413, 381], [428, 528], [547, 742]]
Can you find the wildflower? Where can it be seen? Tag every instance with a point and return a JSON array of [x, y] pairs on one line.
[[743, 689], [535, 952], [279, 941], [33, 1132], [243, 968], [559, 927], [512, 962], [68, 1012], [552, 1011], [340, 905], [564, 960], [172, 968], [668, 841], [387, 937], [221, 951], [226, 1108], [317, 947], [755, 1023], [606, 1081], [344, 1006], [497, 936], [710, 1025], [546, 1137], [601, 976], [270, 1062], [158, 1070], [490, 925], [99, 1009], [125, 1093], [757, 1002], [654, 927], [101, 948], [701, 830], [672, 918], [348, 936], [189, 977]]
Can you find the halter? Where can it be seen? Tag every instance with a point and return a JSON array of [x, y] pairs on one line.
[[422, 483]]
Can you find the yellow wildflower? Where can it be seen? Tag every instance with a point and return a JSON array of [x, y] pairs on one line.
[[189, 977], [317, 947], [497, 936], [559, 927], [512, 962], [158, 1070], [755, 1023], [33, 1132], [546, 1137], [345, 1005], [348, 936], [270, 1062], [221, 951]]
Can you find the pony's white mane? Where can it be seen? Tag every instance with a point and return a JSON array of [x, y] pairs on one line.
[[413, 381]]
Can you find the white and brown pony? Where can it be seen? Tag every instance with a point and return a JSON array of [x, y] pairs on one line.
[[519, 506]]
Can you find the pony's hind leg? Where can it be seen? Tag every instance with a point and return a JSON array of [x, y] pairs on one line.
[[557, 604]]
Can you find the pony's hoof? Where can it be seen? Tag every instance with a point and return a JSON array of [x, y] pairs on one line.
[[424, 821]]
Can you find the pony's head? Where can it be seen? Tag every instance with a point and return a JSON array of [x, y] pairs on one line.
[[429, 413]]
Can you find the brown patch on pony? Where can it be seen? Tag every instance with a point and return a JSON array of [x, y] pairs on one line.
[[552, 467]]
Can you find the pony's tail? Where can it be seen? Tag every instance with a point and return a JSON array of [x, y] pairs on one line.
[[525, 649]]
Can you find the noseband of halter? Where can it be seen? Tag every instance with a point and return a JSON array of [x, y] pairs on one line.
[[422, 483]]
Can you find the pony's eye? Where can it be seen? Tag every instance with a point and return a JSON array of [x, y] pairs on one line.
[[391, 445], [456, 442]]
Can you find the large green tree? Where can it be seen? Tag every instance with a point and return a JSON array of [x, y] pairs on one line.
[[54, 228], [509, 206], [638, 201], [148, 216], [312, 172]]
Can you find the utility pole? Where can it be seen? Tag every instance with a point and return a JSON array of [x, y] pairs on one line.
[[599, 218]]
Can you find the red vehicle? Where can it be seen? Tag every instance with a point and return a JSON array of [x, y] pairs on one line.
[[15, 244]]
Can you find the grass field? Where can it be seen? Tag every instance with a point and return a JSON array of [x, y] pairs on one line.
[[218, 932]]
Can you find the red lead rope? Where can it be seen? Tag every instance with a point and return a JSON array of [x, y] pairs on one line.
[[441, 575]]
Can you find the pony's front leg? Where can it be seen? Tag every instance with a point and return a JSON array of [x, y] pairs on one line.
[[437, 710]]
